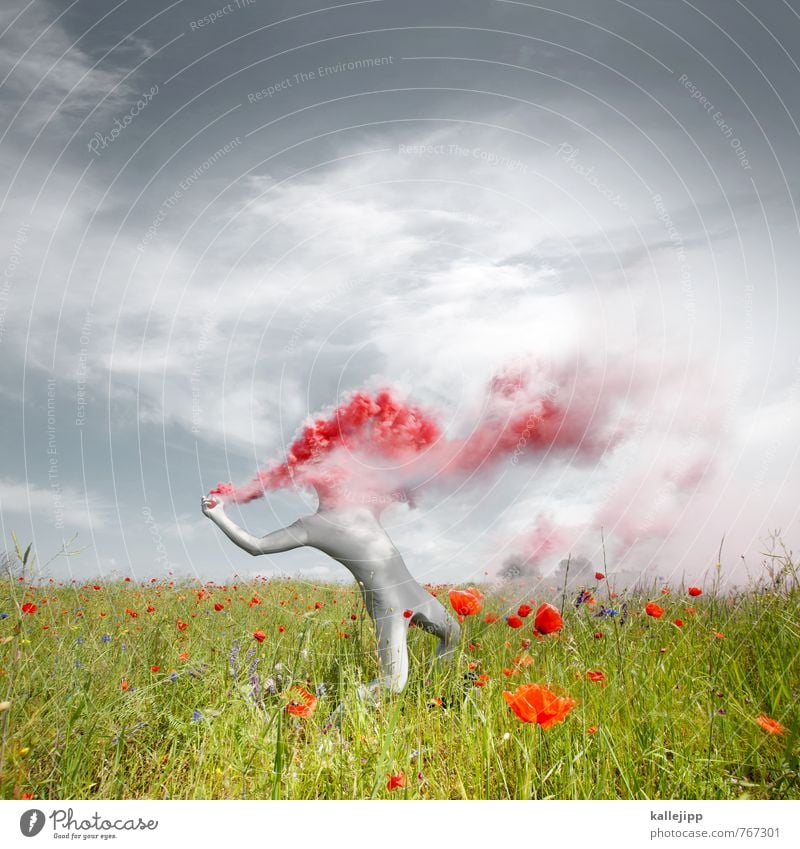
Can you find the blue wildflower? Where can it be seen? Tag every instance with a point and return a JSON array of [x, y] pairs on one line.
[[234, 658], [4, 615], [106, 638], [80, 641], [321, 690], [173, 676], [606, 611], [197, 716], [255, 687], [582, 598]]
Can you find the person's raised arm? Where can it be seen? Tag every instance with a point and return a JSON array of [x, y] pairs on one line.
[[283, 540]]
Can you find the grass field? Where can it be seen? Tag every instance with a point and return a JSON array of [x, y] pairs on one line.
[[145, 690]]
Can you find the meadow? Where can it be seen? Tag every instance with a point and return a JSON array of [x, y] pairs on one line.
[[153, 688]]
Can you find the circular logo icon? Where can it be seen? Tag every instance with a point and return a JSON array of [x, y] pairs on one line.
[[31, 822]]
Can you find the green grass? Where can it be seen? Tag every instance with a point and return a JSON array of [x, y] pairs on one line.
[[675, 719]]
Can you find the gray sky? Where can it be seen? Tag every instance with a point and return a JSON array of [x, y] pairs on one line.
[[213, 228]]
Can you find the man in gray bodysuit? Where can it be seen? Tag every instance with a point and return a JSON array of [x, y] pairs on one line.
[[354, 536]]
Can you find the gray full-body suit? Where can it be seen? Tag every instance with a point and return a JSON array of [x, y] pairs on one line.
[[354, 536]]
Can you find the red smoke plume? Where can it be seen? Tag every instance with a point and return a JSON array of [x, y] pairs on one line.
[[377, 447]]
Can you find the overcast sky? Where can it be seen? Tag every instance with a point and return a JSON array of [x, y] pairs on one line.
[[219, 219]]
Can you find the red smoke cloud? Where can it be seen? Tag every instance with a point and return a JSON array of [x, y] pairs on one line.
[[376, 447]]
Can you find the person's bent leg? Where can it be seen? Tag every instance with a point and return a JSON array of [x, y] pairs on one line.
[[391, 630], [432, 617]]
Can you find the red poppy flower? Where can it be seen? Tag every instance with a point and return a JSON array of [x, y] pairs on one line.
[[407, 614], [491, 618], [259, 635], [524, 610], [592, 729], [481, 680], [598, 635], [694, 591], [184, 655], [182, 626], [317, 605], [719, 635], [353, 617], [132, 613], [679, 623], [770, 725], [304, 705], [125, 685], [29, 607], [548, 619], [396, 782], [652, 609], [155, 669], [219, 607], [96, 587], [535, 703], [466, 602], [151, 609], [596, 675], [514, 621], [127, 580], [598, 576]]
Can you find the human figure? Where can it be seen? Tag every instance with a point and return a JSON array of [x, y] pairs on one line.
[[354, 536]]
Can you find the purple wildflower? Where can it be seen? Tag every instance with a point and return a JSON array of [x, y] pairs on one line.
[[234, 657]]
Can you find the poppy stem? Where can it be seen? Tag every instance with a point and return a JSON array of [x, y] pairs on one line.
[[278, 763], [566, 579]]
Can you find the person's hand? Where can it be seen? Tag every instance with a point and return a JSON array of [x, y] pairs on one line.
[[212, 507]]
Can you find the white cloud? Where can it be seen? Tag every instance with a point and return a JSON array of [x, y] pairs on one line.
[[60, 506]]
